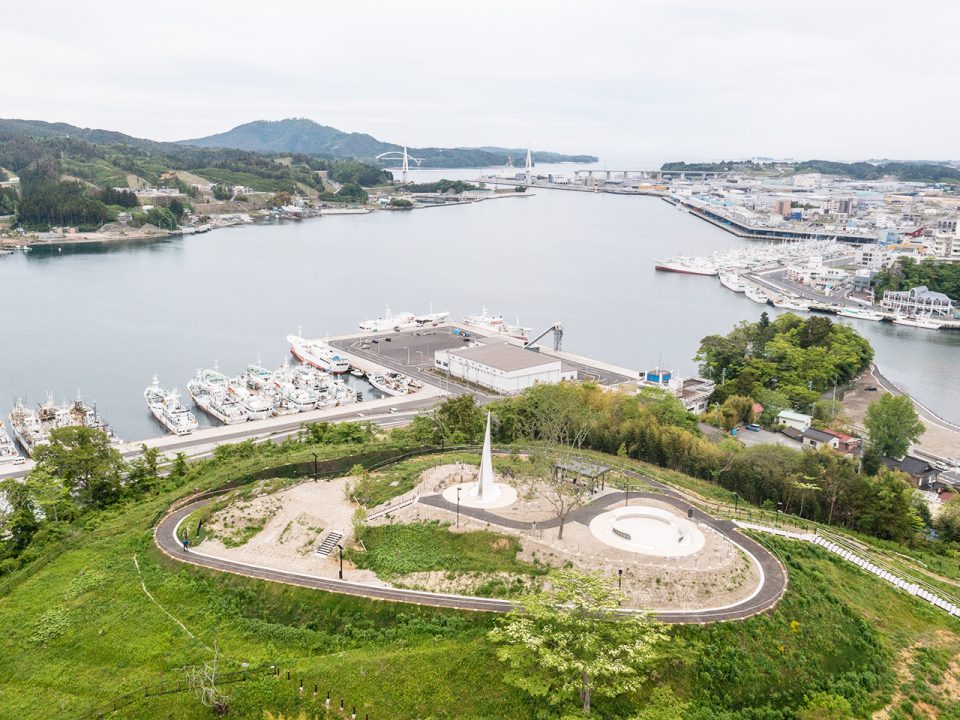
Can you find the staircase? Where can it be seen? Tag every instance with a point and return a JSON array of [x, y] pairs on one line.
[[329, 543]]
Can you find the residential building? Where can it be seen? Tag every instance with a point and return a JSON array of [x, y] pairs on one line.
[[816, 439], [922, 473], [782, 207], [847, 444], [796, 420]]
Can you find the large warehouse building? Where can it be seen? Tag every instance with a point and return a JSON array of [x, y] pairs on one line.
[[502, 367]]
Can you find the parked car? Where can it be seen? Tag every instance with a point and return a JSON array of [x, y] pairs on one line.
[[871, 388], [753, 426]]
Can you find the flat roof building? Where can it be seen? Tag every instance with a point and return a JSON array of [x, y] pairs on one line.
[[502, 367]]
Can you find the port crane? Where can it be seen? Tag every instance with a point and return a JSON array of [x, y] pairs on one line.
[[557, 330]]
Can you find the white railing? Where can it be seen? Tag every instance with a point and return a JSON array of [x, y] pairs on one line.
[[917, 589]]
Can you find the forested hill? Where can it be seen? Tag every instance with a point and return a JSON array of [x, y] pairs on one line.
[[306, 136], [916, 171]]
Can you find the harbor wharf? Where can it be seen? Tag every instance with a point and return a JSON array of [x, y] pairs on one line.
[[409, 352], [751, 232]]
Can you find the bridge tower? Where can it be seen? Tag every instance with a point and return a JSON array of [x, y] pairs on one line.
[[405, 167], [528, 169]]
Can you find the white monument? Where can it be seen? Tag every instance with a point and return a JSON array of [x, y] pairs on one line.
[[485, 492]]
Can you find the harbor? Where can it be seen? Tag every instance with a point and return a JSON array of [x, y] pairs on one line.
[[807, 276], [611, 302], [397, 354]]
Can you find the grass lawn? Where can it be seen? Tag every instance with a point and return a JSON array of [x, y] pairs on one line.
[[81, 630]]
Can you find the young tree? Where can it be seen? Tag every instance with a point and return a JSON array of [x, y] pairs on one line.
[[83, 459], [564, 495], [19, 524], [893, 424], [143, 472], [203, 681], [461, 419], [50, 495], [569, 641]]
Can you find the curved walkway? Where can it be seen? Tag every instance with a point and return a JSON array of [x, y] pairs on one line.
[[773, 577]]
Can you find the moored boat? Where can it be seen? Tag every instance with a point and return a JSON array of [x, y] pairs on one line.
[[168, 410], [859, 314], [319, 354], [924, 322]]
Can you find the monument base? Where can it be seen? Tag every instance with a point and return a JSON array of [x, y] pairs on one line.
[[502, 496]]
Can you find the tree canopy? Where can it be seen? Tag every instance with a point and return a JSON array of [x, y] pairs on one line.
[[893, 425], [569, 641], [85, 462], [795, 358]]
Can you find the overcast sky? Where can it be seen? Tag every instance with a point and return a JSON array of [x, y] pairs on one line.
[[632, 80]]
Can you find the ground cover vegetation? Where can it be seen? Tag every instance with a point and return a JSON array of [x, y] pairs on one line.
[[831, 643]]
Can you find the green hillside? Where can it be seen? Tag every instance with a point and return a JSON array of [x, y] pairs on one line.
[[81, 629], [306, 136]]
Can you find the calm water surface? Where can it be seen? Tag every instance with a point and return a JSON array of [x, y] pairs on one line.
[[103, 320]]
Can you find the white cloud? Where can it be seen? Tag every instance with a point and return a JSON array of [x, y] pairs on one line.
[[644, 80]]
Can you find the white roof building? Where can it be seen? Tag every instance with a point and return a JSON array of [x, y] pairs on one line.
[[502, 367]]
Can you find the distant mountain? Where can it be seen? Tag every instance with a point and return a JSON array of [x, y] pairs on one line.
[[299, 135]]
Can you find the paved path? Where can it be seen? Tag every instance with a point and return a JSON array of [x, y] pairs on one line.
[[773, 580]]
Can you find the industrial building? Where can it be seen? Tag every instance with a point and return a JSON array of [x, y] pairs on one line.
[[502, 367]]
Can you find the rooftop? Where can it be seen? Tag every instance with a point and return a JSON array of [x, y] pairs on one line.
[[504, 356], [818, 435]]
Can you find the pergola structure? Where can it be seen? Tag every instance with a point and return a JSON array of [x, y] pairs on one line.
[[578, 469]]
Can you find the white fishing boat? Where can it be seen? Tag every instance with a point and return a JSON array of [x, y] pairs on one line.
[[8, 450], [791, 303], [258, 403], [393, 384], [32, 428], [210, 391], [859, 314], [495, 324], [300, 399], [389, 321], [732, 281], [687, 266], [431, 318], [756, 294], [168, 410], [319, 354], [924, 322]]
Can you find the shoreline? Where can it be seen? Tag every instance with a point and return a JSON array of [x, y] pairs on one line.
[[91, 238]]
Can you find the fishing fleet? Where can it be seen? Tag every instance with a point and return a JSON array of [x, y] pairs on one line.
[[32, 428]]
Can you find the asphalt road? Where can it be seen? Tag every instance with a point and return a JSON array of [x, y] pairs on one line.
[[773, 575]]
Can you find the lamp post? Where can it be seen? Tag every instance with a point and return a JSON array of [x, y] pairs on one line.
[[620, 579], [779, 511], [408, 353], [341, 561], [420, 353], [736, 504], [626, 500], [316, 473], [458, 506]]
